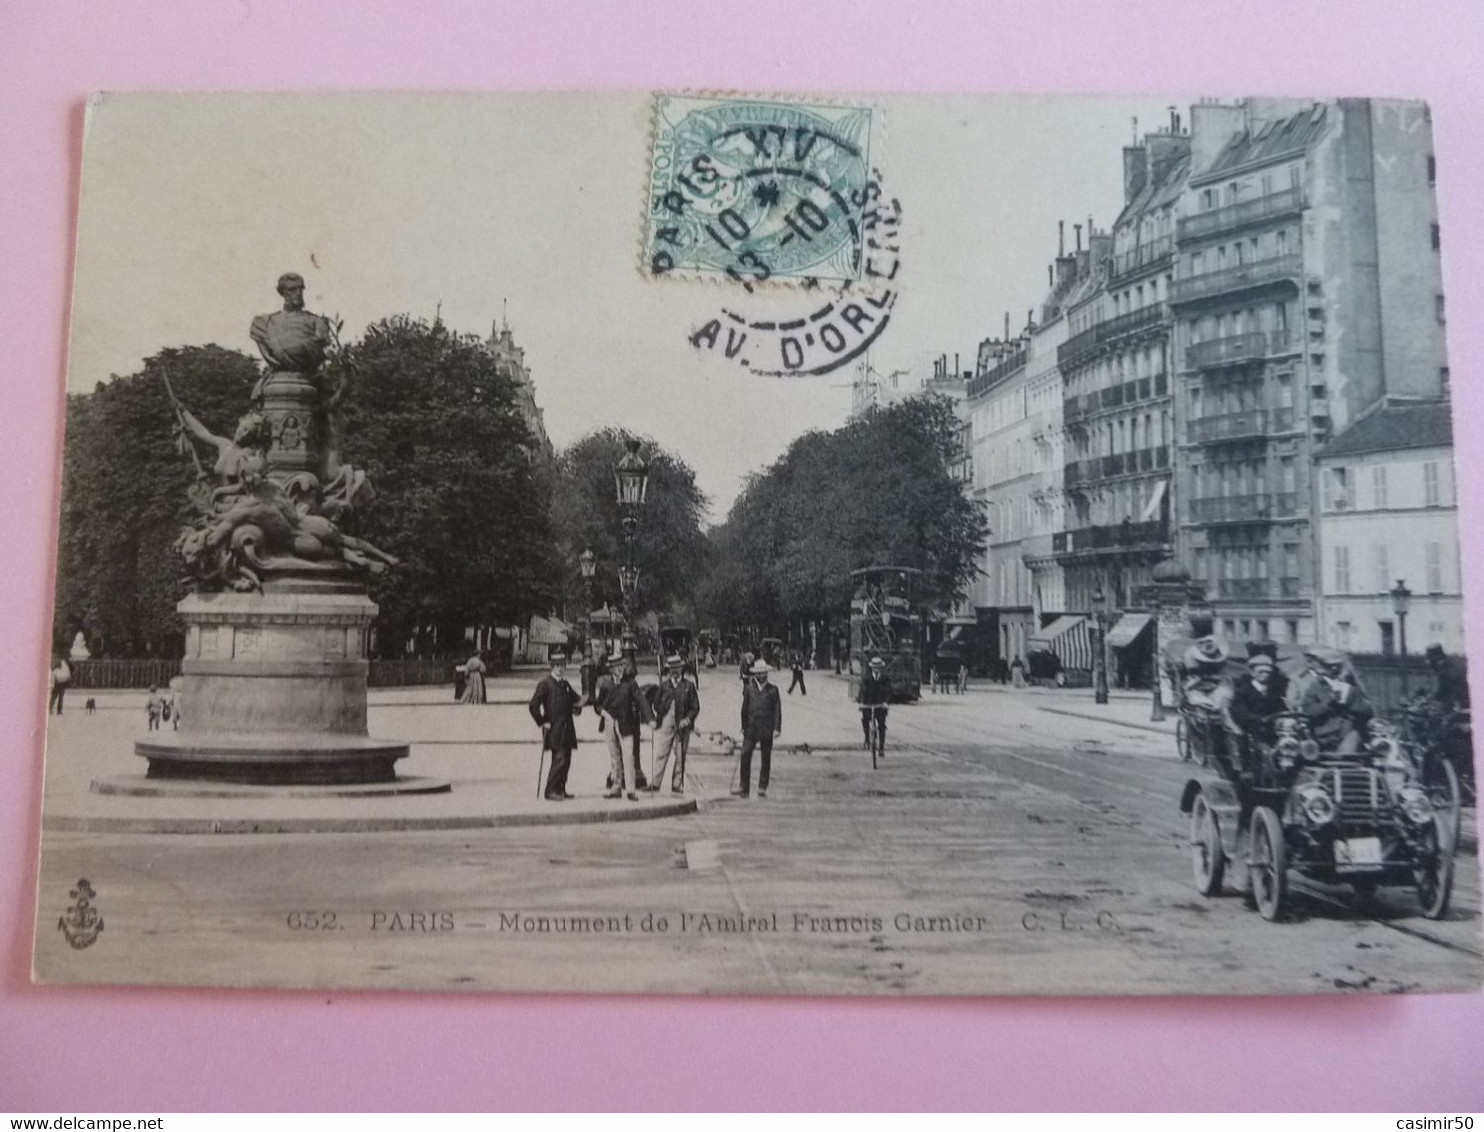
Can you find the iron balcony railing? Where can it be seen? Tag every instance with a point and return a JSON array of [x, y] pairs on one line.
[[1242, 277], [1259, 508], [1242, 587], [1112, 536], [1114, 396], [980, 383], [1241, 214], [1235, 349], [1156, 253], [1076, 472], [1089, 341], [1247, 424]]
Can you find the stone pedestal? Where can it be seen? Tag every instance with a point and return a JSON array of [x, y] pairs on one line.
[[275, 690]]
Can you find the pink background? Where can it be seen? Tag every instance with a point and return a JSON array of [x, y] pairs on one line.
[[125, 1050]]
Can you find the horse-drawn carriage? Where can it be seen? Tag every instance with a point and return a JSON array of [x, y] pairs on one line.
[[1276, 802]]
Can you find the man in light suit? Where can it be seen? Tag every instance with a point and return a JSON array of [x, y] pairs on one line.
[[676, 706]]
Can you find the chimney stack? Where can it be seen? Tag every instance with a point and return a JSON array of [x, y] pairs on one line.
[[1078, 229], [1007, 326], [955, 362], [1061, 237]]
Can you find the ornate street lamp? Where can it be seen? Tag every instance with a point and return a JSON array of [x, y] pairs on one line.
[[1099, 656], [587, 564], [631, 482], [1401, 602]]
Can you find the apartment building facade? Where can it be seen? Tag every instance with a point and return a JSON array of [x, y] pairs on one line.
[[1306, 287]]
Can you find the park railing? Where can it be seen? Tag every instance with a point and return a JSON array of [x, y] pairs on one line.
[[144, 672]]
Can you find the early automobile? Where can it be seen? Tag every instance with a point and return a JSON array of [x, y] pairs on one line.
[[1276, 806]]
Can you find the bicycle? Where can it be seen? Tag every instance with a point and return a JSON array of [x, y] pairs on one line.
[[877, 739]]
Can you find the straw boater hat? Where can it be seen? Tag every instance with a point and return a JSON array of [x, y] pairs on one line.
[[1207, 652], [673, 661], [1261, 660], [557, 656], [877, 663], [759, 668]]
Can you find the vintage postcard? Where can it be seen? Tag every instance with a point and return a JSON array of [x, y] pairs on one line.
[[777, 543]]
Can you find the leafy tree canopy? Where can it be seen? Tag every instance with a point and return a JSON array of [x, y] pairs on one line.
[[124, 498], [878, 491], [463, 496], [670, 547]]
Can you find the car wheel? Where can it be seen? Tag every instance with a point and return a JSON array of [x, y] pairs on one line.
[[1441, 783], [1207, 855], [1269, 863], [1433, 869]]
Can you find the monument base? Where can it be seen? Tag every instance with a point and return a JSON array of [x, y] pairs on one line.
[[274, 692]]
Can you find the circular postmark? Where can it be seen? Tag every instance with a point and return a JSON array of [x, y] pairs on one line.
[[841, 321], [756, 191]]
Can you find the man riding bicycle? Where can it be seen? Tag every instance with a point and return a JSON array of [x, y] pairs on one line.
[[873, 697]]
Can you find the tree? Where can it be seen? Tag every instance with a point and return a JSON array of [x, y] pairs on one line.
[[670, 548], [463, 495], [879, 491], [124, 498]]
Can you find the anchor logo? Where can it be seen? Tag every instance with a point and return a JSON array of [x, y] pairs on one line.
[[82, 923]]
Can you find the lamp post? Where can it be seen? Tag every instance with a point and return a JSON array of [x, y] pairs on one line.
[[1099, 656], [631, 481], [1401, 602], [587, 564]]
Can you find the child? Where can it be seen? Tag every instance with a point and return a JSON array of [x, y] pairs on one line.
[[154, 706]]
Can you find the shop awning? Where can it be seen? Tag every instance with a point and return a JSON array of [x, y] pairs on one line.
[[548, 631], [1129, 626], [1069, 638]]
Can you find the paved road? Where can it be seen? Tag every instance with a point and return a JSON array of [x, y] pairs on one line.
[[1000, 847]]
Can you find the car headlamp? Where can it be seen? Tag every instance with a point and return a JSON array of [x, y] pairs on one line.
[[1317, 805], [1415, 805]]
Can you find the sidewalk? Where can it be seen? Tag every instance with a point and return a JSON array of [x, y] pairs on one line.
[[487, 754]]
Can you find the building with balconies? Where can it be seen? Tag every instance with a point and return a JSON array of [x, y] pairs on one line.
[[1388, 513], [510, 361], [1116, 410], [1306, 287], [1005, 478]]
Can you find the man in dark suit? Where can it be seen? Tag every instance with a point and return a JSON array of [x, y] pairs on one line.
[[1257, 697], [554, 707], [762, 720], [677, 703], [873, 696]]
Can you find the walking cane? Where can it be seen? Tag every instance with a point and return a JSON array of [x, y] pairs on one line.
[[540, 762]]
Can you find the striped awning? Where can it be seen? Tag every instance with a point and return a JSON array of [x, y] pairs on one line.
[[1069, 638], [1129, 626]]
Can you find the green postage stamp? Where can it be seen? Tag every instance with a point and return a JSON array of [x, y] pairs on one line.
[[752, 191]]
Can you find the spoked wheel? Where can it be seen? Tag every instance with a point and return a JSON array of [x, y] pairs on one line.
[[1207, 856], [1182, 739], [1441, 782], [1433, 869], [1269, 863]]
